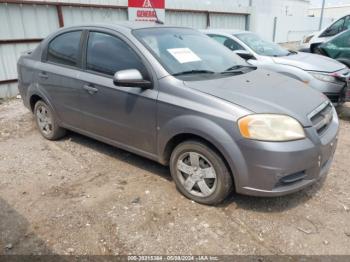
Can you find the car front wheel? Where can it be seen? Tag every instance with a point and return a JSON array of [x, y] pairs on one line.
[[200, 173]]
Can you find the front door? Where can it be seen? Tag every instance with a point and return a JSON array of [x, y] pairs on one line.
[[125, 115]]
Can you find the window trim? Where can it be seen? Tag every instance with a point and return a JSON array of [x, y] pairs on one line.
[[121, 38], [81, 42]]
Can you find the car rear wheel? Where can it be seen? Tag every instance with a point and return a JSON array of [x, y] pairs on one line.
[[200, 173], [46, 122]]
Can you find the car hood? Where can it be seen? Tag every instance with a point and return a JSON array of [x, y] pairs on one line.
[[263, 91], [310, 62]]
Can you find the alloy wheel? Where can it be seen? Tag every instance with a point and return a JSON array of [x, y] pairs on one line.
[[196, 174], [44, 120]]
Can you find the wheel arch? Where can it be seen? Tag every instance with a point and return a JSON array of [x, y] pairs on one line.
[[33, 100], [314, 46], [34, 95], [206, 131]]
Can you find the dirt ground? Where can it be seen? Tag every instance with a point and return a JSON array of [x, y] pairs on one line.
[[79, 196]]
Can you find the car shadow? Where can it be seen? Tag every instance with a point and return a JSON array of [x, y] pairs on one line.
[[120, 154], [260, 204], [16, 237]]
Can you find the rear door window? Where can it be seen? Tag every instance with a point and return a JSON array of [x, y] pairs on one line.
[[65, 49]]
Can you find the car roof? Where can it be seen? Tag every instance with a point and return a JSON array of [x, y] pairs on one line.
[[125, 25], [225, 31]]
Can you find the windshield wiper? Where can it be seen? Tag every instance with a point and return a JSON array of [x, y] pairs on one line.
[[193, 72], [237, 69]]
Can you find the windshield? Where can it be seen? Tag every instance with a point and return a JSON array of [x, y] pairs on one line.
[[185, 51], [262, 47]]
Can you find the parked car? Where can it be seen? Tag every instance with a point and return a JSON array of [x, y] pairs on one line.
[[175, 96], [337, 48], [323, 74], [312, 41]]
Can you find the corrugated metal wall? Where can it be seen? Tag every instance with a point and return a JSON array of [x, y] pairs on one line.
[[79, 15], [28, 23], [228, 21], [9, 55], [191, 19], [200, 20]]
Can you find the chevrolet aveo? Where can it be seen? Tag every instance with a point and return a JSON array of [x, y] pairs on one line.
[[176, 96]]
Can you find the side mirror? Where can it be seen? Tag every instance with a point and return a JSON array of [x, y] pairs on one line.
[[131, 78], [246, 55]]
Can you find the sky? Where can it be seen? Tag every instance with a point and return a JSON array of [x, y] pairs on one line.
[[329, 2]]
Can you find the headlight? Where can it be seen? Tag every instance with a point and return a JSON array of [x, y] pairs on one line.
[[270, 127], [324, 77]]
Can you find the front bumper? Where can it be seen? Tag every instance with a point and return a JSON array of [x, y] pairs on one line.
[[275, 169], [336, 92]]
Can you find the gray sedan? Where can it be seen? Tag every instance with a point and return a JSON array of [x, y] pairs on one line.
[[321, 73], [177, 97]]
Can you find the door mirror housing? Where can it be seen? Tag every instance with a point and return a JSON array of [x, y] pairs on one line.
[[131, 78], [246, 55]]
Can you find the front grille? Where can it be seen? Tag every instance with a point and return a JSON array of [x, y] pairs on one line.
[[322, 117]]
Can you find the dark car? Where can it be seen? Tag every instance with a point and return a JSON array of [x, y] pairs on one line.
[[175, 96], [337, 48]]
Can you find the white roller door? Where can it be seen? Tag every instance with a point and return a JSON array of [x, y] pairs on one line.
[[228, 21], [190, 19]]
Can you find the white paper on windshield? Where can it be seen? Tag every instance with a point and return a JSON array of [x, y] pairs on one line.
[[184, 55]]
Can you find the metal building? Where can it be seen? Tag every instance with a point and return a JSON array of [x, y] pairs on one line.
[[23, 23]]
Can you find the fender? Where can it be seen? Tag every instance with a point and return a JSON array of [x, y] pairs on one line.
[[210, 131], [344, 61], [35, 89]]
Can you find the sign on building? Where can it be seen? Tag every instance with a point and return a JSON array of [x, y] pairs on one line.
[[146, 10]]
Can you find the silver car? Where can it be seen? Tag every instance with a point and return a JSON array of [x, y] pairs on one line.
[[321, 73], [175, 96]]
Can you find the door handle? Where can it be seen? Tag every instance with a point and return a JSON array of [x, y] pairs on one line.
[[90, 89], [43, 75]]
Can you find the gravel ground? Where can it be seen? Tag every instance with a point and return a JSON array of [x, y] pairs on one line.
[[79, 196]]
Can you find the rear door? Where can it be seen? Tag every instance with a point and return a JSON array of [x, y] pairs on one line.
[[123, 115], [57, 75]]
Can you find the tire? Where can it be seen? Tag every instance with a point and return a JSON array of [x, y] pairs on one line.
[[46, 122], [209, 187]]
